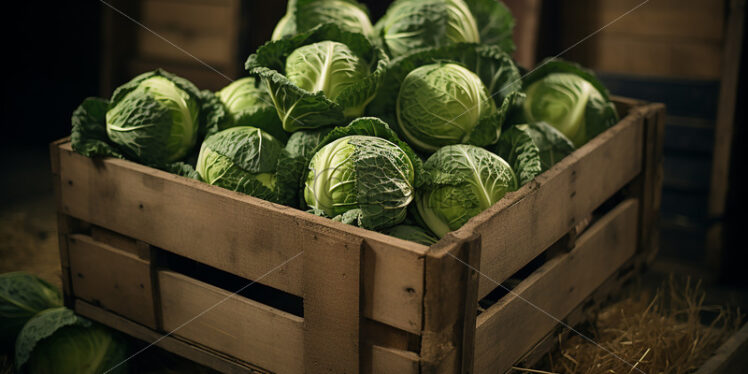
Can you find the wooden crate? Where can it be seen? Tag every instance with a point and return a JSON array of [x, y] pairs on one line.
[[160, 258]]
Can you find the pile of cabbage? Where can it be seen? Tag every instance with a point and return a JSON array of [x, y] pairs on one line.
[[410, 125]]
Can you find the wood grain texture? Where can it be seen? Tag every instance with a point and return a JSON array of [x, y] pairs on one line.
[[234, 232], [526, 222], [113, 279], [731, 357], [518, 321], [232, 324], [387, 360], [450, 304], [200, 355], [332, 308]]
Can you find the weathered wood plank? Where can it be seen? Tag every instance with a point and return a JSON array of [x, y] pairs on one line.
[[201, 355], [237, 326], [526, 222], [113, 279], [450, 301], [731, 357], [518, 321], [387, 360], [332, 308], [233, 232]]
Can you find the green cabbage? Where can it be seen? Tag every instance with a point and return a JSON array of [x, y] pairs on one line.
[[248, 160], [248, 104], [303, 15], [460, 181], [22, 295], [412, 233], [322, 77], [362, 174], [56, 341], [410, 25]]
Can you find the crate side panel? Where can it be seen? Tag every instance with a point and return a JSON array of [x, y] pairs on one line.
[[233, 232], [388, 360], [528, 221], [173, 344], [518, 321], [232, 324], [114, 279]]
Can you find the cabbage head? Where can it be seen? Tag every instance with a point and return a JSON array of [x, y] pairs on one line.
[[444, 104], [248, 104], [460, 181], [412, 233], [22, 295], [448, 90], [56, 341], [569, 99], [249, 160], [362, 174], [303, 15], [154, 119], [323, 77], [410, 25]]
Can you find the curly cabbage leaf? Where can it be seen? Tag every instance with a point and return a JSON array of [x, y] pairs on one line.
[[411, 25], [60, 342], [362, 174], [248, 104], [551, 143], [319, 78], [570, 99], [22, 295], [303, 15], [460, 182], [302, 143], [248, 160], [517, 147]]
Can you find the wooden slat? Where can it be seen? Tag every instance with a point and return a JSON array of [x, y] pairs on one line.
[[450, 304], [232, 324], [201, 355], [203, 17], [208, 48], [719, 181], [234, 232], [731, 357], [518, 321], [114, 279], [64, 223], [387, 360], [526, 222], [332, 309]]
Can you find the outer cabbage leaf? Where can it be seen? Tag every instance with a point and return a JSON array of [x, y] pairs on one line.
[[22, 295], [518, 148], [301, 109], [248, 160], [247, 103], [412, 233], [89, 136], [410, 25], [60, 342], [460, 182], [362, 179], [303, 15], [495, 23], [570, 99], [551, 143], [494, 68], [302, 143]]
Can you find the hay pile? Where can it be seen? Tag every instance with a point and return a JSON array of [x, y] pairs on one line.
[[661, 333]]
